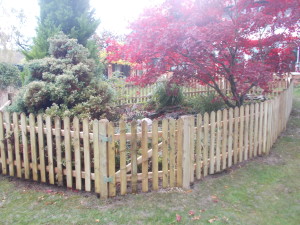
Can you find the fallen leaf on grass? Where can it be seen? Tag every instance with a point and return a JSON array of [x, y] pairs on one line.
[[191, 212], [215, 198], [188, 191], [97, 220], [196, 218], [178, 218], [212, 220], [202, 210]]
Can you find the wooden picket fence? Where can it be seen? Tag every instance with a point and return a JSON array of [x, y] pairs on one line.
[[132, 94], [119, 158]]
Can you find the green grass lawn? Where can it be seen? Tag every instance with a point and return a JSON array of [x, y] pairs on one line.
[[263, 191]]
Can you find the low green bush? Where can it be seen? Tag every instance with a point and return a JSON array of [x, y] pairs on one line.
[[205, 103], [167, 94]]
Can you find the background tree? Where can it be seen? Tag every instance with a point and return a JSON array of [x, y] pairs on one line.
[[74, 18], [65, 84], [242, 41]]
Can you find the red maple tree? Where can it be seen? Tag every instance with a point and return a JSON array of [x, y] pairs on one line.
[[241, 41]]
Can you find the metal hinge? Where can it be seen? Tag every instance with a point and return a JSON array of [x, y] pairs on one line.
[[105, 139], [108, 179]]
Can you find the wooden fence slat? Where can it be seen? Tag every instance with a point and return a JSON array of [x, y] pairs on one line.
[[76, 143], [186, 160], [122, 156], [224, 138], [145, 156], [192, 148], [172, 127], [86, 154], [251, 141], [96, 155], [41, 145], [246, 134], [236, 135], [155, 155], [165, 152], [103, 158], [112, 159], [17, 145], [218, 142], [9, 144], [25, 146], [230, 136], [241, 134], [265, 127], [50, 149], [2, 146], [198, 146], [68, 153], [205, 147], [59, 165], [179, 151], [257, 133], [260, 128], [33, 147], [133, 152], [212, 143]]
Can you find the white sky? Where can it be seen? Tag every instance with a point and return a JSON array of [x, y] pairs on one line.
[[114, 14]]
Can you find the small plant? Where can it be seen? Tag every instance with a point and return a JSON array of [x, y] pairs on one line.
[[167, 94], [205, 103], [9, 76]]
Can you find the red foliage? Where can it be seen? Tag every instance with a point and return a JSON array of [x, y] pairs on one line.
[[204, 40]]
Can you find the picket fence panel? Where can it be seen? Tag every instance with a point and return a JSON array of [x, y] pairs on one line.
[[120, 158]]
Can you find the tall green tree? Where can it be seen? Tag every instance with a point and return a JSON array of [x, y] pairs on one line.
[[72, 17]]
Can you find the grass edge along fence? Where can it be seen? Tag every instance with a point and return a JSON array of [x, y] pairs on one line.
[[111, 159]]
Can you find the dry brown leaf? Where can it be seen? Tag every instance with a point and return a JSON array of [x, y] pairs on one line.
[[212, 220], [196, 218]]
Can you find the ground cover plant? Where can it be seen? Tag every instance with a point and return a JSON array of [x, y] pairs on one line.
[[264, 190]]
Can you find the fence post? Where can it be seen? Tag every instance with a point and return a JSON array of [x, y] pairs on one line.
[[186, 159], [103, 149]]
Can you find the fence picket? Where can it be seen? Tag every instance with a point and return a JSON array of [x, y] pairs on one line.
[[218, 142], [17, 145], [246, 133], [2, 146], [212, 143], [86, 154], [104, 179], [165, 152], [122, 156], [59, 163], [50, 149], [198, 146], [155, 155], [145, 156], [9, 146], [230, 136], [68, 153], [112, 159], [224, 138], [133, 151], [25, 146], [41, 145], [172, 126], [179, 151], [251, 127], [205, 147], [76, 144], [236, 135], [241, 134]]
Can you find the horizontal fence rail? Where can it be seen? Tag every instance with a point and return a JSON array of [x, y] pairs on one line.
[[119, 158]]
